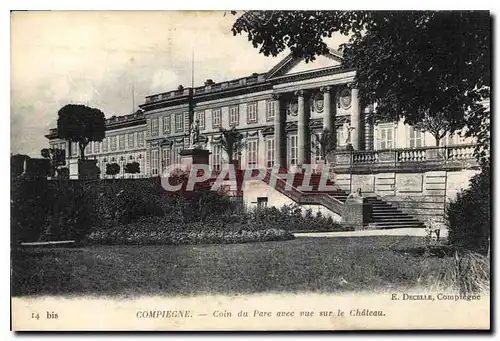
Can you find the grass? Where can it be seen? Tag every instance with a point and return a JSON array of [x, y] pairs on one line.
[[304, 264]]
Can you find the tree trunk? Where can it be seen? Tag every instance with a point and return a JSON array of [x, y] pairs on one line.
[[438, 139], [82, 150]]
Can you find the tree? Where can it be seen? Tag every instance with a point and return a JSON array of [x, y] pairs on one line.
[[81, 124], [112, 169], [231, 142], [45, 152], [410, 63], [132, 168], [56, 156]]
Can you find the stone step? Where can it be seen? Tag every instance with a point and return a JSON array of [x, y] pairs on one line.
[[393, 219], [385, 209], [392, 225]]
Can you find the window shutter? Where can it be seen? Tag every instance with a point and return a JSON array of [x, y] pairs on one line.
[[186, 122], [148, 128], [148, 162]]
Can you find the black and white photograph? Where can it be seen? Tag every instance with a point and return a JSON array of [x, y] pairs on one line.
[[250, 170]]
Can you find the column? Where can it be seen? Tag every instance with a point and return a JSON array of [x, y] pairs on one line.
[[67, 151], [329, 119], [369, 134], [356, 134], [279, 133], [304, 143]]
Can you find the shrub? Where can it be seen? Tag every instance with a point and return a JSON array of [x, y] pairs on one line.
[[175, 234], [132, 168], [292, 218], [468, 216], [50, 210], [112, 169]]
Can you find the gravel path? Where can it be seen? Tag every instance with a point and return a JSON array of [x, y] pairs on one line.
[[419, 232]]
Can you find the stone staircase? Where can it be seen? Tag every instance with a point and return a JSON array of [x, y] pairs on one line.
[[385, 216], [382, 214]]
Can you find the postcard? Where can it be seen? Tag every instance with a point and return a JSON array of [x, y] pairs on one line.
[[250, 170]]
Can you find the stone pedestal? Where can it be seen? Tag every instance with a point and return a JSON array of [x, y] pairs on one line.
[[194, 156], [356, 213], [88, 170]]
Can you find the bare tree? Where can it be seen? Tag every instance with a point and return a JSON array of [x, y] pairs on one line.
[[437, 125]]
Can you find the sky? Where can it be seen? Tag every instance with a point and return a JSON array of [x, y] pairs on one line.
[[97, 58]]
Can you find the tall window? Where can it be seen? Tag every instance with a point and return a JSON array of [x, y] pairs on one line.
[[252, 152], [234, 116], [416, 138], [122, 141], [200, 115], [154, 127], [178, 123], [113, 143], [74, 149], [154, 162], [216, 118], [216, 157], [140, 159], [166, 125], [166, 159], [177, 155], [269, 110], [104, 145], [96, 147], [270, 152], [293, 150], [88, 149], [131, 140], [140, 139], [252, 113], [385, 137]]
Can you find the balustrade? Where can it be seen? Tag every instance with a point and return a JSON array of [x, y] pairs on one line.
[[460, 152], [404, 156], [411, 155]]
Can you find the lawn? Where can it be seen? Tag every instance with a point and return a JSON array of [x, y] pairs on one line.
[[303, 264]]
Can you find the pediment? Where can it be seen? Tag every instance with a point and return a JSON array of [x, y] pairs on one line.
[[290, 65]]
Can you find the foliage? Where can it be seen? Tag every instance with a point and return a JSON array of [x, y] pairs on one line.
[[50, 210], [294, 218], [469, 216], [131, 235], [231, 142], [17, 163], [56, 156], [112, 168], [410, 63], [437, 125], [132, 168], [63, 173], [45, 152], [81, 124]]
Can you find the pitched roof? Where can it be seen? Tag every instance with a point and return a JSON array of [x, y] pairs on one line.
[[287, 63]]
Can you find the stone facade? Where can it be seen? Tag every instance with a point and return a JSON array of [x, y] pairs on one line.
[[281, 114]]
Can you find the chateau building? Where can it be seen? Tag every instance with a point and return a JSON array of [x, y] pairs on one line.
[[281, 115]]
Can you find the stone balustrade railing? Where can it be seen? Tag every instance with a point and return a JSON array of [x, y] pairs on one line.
[[302, 198], [405, 156], [206, 89]]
